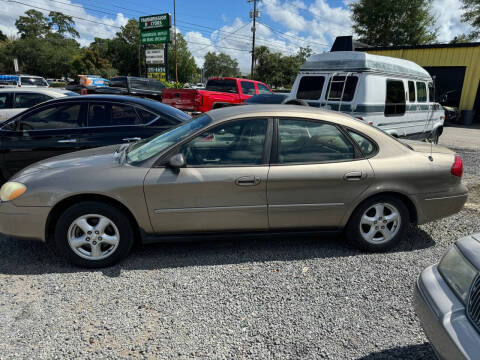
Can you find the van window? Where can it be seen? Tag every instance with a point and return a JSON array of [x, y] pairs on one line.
[[337, 87], [310, 87], [395, 99], [431, 93], [411, 91], [421, 92]]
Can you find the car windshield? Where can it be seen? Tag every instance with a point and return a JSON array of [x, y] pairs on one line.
[[142, 151], [33, 81]]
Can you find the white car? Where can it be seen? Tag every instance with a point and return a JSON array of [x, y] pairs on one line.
[[15, 100]]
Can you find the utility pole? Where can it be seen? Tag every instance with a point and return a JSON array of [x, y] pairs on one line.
[[253, 15], [175, 39]]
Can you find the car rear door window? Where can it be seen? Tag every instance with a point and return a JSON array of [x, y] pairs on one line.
[[421, 92], [395, 104], [310, 87], [234, 143], [65, 116], [27, 100], [248, 88], [124, 115], [262, 89], [98, 115], [336, 88], [305, 141]]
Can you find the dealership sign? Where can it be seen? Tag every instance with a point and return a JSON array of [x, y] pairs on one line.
[[155, 56], [155, 36], [162, 21]]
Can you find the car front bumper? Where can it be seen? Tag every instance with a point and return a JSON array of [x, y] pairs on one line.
[[443, 318], [23, 221]]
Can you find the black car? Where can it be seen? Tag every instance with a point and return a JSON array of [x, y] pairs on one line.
[[75, 123]]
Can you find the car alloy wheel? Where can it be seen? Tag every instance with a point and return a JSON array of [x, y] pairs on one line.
[[93, 234], [380, 223], [93, 237]]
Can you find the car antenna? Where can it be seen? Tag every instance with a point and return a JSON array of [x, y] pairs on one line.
[[434, 78]]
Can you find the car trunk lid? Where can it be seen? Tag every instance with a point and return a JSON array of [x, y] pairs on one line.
[[428, 148]]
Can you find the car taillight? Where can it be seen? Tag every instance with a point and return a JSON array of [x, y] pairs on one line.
[[457, 167], [84, 92]]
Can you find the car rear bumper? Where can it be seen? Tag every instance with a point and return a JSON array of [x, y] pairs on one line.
[[436, 206], [443, 318], [23, 221]]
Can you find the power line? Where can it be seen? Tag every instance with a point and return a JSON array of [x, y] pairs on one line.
[[291, 36], [73, 16], [97, 22], [226, 36]]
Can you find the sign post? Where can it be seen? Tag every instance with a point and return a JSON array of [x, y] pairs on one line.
[[154, 30]]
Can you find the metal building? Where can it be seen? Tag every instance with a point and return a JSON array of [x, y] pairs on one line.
[[456, 68]]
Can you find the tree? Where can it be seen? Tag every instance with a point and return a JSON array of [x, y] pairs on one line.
[[63, 24], [394, 22], [220, 65], [89, 61], [3, 37], [472, 16], [187, 69], [34, 24], [278, 70]]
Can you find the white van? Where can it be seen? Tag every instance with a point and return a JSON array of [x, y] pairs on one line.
[[393, 94]]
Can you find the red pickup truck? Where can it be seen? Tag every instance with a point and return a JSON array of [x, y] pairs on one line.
[[219, 92]]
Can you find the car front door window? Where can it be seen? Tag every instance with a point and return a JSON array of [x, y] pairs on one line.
[[58, 117], [235, 143]]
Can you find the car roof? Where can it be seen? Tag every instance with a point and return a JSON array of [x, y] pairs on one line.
[[276, 110], [152, 105], [48, 91]]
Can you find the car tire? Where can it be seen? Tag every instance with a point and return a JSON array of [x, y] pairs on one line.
[[378, 224], [93, 234]]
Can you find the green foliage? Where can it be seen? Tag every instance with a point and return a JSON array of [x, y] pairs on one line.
[[63, 24], [89, 61], [277, 70], [472, 16], [220, 65], [32, 25], [186, 68], [3, 37], [394, 22]]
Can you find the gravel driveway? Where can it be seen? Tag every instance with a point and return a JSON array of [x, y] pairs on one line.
[[291, 297]]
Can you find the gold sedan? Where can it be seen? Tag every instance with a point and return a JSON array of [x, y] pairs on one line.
[[247, 169]]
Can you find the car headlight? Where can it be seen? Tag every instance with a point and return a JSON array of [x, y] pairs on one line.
[[11, 190], [458, 272]]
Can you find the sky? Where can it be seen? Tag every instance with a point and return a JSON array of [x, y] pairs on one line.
[[224, 25]]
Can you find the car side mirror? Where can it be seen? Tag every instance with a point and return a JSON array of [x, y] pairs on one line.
[[177, 161]]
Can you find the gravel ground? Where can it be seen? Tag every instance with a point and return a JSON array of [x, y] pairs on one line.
[[280, 298]]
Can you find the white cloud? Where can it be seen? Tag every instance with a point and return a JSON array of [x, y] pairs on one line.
[[448, 15], [87, 30]]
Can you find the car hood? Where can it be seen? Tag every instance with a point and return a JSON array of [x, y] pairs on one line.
[[102, 157]]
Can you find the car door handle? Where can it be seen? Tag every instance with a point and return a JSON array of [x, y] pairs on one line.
[[354, 176], [64, 141], [248, 181], [132, 139]]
